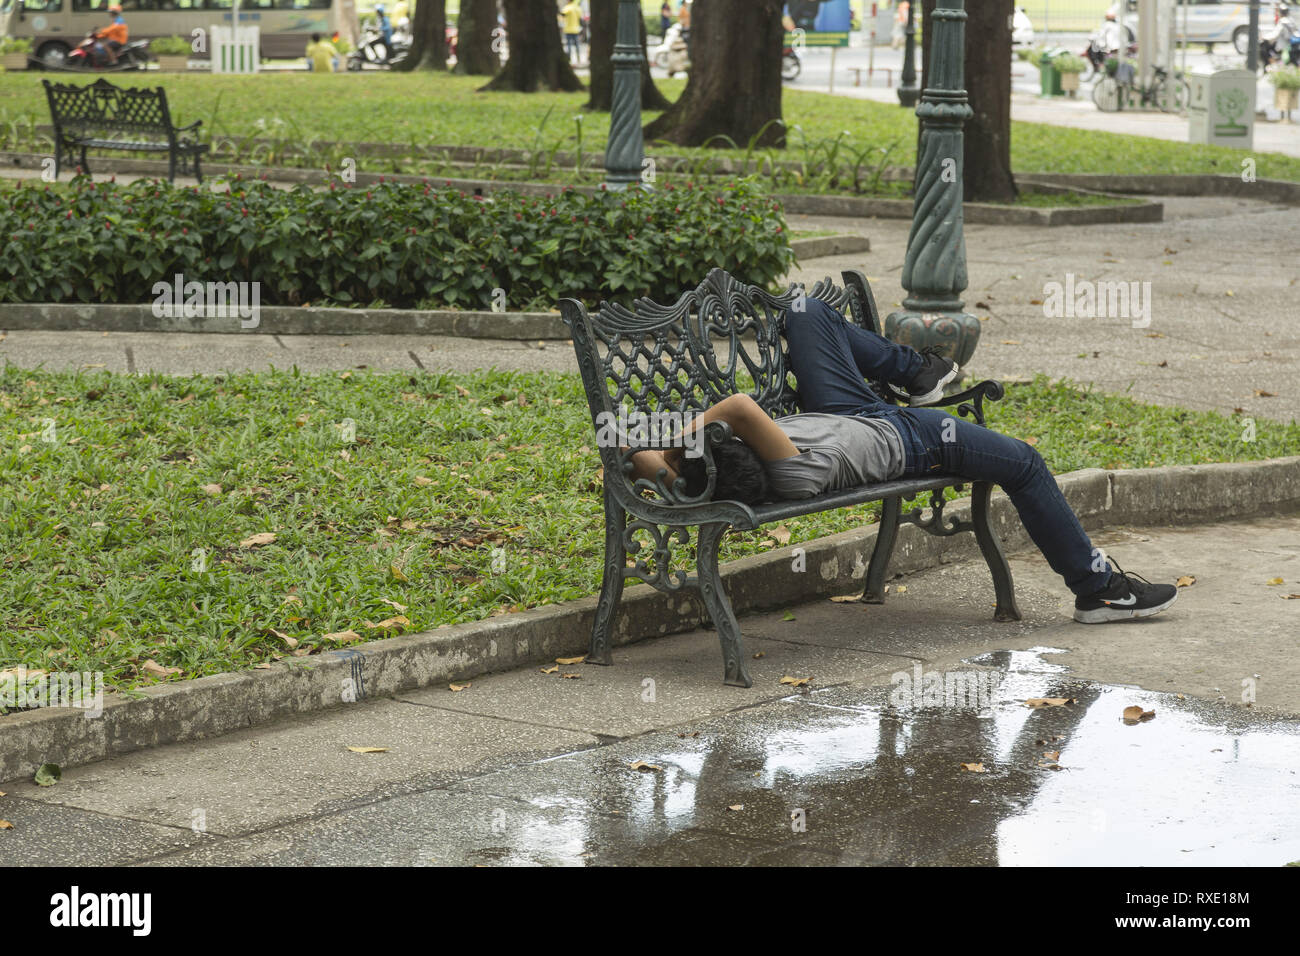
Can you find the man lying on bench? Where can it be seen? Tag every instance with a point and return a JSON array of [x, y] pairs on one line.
[[848, 437]]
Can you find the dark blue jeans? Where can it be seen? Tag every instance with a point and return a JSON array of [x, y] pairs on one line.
[[830, 359]]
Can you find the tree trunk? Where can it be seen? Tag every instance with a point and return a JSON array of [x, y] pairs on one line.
[[987, 142], [474, 53], [428, 38], [734, 88], [536, 55], [604, 21]]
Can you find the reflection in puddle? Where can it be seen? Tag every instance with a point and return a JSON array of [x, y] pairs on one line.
[[1200, 784]]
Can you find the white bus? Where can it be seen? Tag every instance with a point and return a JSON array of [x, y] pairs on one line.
[[56, 26]]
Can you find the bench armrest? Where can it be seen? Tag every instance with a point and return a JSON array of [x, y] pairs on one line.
[[715, 433], [971, 401], [185, 129]]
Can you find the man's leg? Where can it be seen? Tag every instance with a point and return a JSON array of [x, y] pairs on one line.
[[952, 445], [831, 358]]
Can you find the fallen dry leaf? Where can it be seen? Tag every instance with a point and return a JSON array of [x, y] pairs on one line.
[[292, 642], [758, 654], [392, 604], [6, 825], [569, 660], [421, 480], [211, 489], [550, 670], [781, 533], [736, 806], [1134, 714], [1048, 701], [1260, 393], [1186, 581], [399, 621], [1273, 581], [369, 750], [396, 572], [845, 598], [571, 676], [457, 688], [266, 537], [1290, 597], [974, 767], [795, 681], [342, 637], [1052, 754], [151, 666], [644, 767]]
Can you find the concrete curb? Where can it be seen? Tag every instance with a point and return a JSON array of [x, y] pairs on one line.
[[975, 213], [307, 320], [210, 706]]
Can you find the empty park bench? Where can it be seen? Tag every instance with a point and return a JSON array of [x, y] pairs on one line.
[[857, 72], [103, 116], [686, 357]]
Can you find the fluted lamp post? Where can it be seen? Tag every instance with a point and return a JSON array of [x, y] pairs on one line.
[[934, 270], [908, 89], [625, 150]]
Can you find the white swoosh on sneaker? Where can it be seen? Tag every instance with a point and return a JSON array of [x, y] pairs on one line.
[[1131, 599]]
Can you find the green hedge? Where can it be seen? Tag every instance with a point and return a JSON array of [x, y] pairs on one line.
[[403, 245]]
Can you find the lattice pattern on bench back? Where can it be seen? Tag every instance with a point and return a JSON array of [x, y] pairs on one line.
[[104, 111], [688, 356]]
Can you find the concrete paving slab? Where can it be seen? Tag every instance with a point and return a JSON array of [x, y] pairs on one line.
[[44, 834], [265, 776], [654, 684]]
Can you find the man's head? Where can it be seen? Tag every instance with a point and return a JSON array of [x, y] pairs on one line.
[[315, 38], [114, 8], [741, 475]]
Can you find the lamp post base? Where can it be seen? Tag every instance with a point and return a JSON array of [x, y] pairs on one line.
[[956, 333]]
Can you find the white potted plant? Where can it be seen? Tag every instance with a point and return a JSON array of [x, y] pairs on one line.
[[173, 53], [1069, 66], [1286, 88], [14, 52]]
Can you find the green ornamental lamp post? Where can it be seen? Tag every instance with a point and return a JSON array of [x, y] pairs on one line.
[[934, 270], [908, 89], [625, 150]]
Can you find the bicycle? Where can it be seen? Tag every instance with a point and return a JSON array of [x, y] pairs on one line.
[[1165, 92]]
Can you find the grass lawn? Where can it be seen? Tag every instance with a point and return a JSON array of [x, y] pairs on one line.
[[130, 536], [446, 110]]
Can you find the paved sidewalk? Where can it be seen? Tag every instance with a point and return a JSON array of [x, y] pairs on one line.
[[526, 768], [1222, 333]]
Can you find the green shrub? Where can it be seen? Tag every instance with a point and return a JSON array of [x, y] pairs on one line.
[[398, 244], [15, 45], [1069, 63], [1286, 77], [170, 46]]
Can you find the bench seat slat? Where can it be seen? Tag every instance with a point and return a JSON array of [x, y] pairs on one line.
[[831, 500]]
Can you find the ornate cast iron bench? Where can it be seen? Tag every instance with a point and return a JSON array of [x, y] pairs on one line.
[[98, 116], [686, 357]]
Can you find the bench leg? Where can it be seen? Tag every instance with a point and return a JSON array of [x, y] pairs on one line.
[[735, 664], [992, 551], [880, 555], [198, 173], [611, 588], [85, 166]]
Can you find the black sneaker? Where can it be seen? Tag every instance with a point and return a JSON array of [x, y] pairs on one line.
[[926, 387], [1127, 596]]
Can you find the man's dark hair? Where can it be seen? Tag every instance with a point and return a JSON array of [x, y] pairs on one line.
[[315, 38], [741, 475]]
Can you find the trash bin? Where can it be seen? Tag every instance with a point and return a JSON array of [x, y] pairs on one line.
[[1221, 108], [1048, 75]]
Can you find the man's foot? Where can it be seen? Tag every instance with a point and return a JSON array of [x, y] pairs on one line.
[[926, 387], [1127, 596]]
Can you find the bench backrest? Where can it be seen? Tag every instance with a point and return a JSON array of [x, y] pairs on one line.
[[104, 109], [687, 356]]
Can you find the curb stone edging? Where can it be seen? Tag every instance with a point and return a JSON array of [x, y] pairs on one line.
[[222, 703], [313, 320]]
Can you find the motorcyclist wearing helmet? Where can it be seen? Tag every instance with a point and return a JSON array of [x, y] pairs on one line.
[[1110, 35], [1284, 28], [111, 39], [385, 26]]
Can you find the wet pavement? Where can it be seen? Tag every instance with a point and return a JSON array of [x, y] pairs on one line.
[[863, 765]]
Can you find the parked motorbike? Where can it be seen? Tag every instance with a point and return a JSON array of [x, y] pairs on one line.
[[133, 56]]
